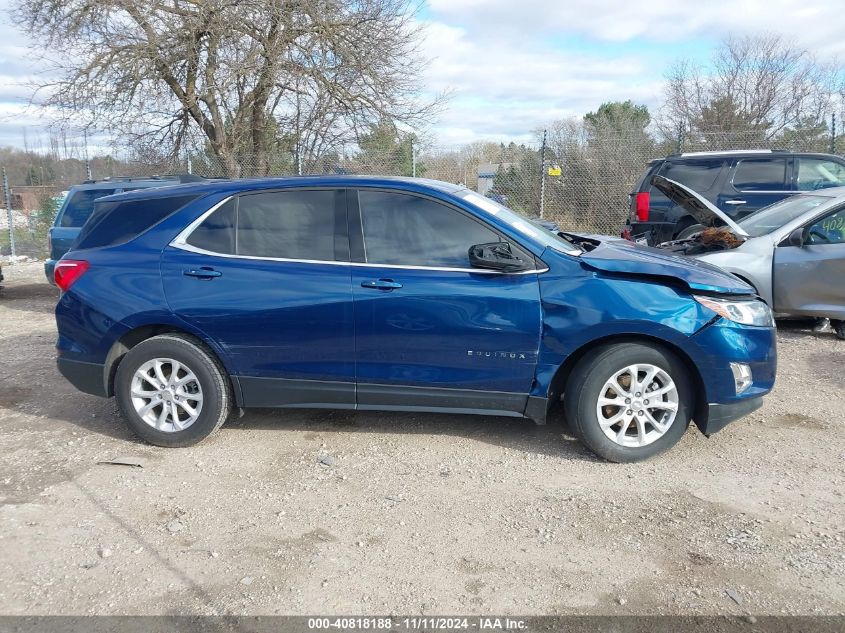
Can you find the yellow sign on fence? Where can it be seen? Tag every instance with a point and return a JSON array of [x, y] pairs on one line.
[[554, 171]]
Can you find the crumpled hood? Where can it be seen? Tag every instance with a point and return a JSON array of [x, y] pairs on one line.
[[627, 258]]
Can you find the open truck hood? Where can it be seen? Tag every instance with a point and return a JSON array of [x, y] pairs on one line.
[[697, 206]]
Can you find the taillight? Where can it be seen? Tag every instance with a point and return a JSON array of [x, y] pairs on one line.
[[641, 201], [68, 271]]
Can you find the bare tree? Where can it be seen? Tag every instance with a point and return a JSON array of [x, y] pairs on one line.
[[241, 76], [757, 87]]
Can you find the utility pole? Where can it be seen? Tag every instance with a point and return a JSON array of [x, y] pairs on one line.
[[543, 175], [833, 133], [9, 215], [413, 159], [87, 162]]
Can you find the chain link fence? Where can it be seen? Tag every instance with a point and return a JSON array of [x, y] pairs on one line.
[[578, 177]]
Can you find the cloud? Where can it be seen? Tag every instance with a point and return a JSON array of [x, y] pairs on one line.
[[503, 90], [514, 66], [816, 24]]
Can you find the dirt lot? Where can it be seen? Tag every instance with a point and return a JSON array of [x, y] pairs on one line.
[[417, 514]]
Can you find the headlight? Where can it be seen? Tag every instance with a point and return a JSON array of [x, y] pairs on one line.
[[745, 311]]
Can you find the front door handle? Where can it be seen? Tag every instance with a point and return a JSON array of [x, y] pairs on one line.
[[202, 273], [735, 202], [381, 284]]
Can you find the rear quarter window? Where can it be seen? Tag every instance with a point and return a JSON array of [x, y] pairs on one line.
[[645, 181], [698, 175], [114, 223], [80, 205]]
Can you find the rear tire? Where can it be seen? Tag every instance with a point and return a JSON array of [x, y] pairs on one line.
[[171, 391], [633, 420]]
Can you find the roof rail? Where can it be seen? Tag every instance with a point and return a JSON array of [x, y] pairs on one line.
[[182, 178], [729, 152]]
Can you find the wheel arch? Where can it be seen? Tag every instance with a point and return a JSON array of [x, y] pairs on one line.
[[557, 386], [132, 337]]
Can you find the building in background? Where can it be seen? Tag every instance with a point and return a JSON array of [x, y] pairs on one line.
[[487, 174]]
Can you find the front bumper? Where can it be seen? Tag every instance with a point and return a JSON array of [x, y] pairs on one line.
[[87, 377], [719, 344], [720, 415]]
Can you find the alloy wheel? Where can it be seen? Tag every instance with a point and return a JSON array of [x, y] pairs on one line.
[[166, 395], [637, 405]]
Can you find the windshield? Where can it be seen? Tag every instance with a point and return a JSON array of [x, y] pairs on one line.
[[773, 217], [520, 223]]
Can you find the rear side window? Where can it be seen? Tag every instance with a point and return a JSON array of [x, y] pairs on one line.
[[767, 174], [113, 223], [295, 224], [80, 205], [288, 225], [698, 175]]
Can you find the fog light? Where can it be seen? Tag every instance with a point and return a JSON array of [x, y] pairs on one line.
[[742, 376]]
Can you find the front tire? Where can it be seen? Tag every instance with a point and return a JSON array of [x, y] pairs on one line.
[[629, 401], [172, 391]]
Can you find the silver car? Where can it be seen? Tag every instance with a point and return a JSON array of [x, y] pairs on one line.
[[792, 252]]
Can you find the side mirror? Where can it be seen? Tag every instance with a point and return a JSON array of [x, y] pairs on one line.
[[796, 238], [496, 256]]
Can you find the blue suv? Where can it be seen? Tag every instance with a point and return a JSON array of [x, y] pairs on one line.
[[79, 204], [400, 295]]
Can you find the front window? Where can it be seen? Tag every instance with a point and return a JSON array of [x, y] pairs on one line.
[[780, 214], [407, 230], [828, 230], [819, 173]]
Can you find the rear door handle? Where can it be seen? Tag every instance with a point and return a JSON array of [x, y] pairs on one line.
[[202, 273], [381, 284], [735, 202]]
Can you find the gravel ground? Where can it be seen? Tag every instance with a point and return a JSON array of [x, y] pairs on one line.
[[414, 514]]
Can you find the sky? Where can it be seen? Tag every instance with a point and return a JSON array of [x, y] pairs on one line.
[[513, 65]]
